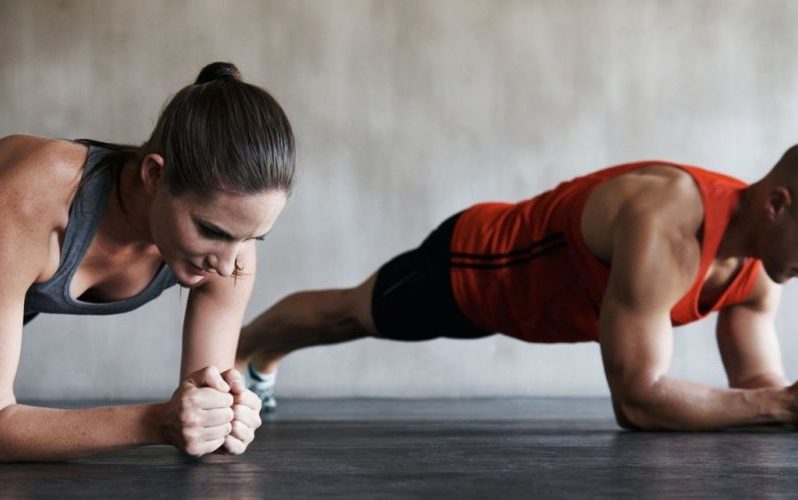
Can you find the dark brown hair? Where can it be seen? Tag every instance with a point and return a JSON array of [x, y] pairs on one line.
[[219, 134]]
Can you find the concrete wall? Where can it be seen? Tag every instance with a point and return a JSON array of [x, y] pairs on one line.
[[405, 112]]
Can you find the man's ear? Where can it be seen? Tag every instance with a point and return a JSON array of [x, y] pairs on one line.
[[778, 201], [151, 171]]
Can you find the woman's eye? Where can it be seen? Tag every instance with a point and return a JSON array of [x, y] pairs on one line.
[[210, 233]]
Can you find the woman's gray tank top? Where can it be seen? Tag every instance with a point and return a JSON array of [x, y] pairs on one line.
[[87, 209]]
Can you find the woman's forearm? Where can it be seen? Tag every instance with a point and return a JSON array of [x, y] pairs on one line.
[[29, 433]]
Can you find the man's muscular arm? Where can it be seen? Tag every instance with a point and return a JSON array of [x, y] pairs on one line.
[[747, 339], [654, 263]]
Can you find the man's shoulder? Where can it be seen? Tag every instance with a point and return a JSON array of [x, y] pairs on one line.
[[665, 192], [659, 200], [654, 238]]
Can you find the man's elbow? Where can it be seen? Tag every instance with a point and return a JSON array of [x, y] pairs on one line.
[[637, 419], [634, 414], [624, 422]]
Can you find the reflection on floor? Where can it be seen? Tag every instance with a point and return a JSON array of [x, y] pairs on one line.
[[483, 448]]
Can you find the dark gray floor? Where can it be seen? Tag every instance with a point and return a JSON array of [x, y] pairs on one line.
[[485, 448]]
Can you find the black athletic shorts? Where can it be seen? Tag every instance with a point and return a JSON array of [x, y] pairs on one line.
[[413, 297]]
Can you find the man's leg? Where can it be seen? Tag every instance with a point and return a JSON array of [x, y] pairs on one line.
[[409, 298], [302, 319], [306, 319]]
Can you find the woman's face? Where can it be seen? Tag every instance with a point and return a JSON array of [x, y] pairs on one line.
[[198, 236]]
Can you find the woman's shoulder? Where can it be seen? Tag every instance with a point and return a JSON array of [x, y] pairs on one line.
[[29, 153], [38, 175]]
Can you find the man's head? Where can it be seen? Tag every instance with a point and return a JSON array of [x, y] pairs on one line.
[[772, 207]]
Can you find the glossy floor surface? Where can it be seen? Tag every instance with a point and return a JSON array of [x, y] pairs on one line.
[[485, 448]]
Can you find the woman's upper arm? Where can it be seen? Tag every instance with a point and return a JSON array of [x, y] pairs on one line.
[[29, 212], [214, 315], [21, 261], [10, 345]]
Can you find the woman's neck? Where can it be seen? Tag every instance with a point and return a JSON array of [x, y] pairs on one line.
[[127, 223]]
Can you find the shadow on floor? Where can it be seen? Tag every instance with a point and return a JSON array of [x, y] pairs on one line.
[[484, 448]]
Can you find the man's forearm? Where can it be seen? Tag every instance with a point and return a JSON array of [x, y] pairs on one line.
[[673, 404], [30, 433]]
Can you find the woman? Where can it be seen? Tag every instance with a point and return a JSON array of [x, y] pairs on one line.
[[113, 226]]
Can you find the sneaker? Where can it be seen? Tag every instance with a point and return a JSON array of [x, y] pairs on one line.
[[264, 389]]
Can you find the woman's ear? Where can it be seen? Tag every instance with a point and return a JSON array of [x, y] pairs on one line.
[[151, 172]]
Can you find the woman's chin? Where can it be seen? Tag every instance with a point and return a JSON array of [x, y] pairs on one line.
[[190, 281], [195, 276], [188, 278]]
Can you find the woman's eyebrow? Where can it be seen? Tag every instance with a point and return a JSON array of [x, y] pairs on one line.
[[213, 227]]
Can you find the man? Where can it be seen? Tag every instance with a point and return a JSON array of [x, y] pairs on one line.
[[619, 256]]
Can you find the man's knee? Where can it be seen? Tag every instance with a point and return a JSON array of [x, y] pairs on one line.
[[344, 315], [359, 301]]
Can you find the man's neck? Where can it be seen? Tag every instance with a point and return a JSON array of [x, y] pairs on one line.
[[738, 239]]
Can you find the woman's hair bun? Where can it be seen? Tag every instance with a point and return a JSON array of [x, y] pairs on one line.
[[217, 71]]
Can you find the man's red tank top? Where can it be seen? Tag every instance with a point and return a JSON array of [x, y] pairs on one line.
[[524, 270]]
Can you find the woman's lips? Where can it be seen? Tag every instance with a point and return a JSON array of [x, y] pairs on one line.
[[196, 270]]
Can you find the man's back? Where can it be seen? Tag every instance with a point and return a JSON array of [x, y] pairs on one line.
[[538, 270]]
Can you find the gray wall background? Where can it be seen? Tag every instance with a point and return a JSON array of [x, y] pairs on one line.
[[405, 112]]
